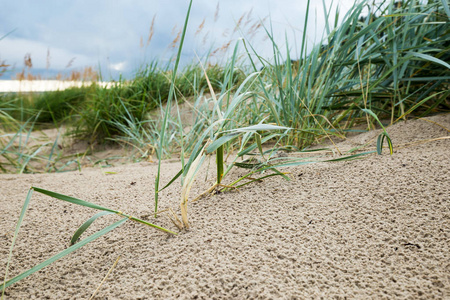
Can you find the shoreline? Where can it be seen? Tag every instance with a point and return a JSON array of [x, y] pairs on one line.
[[30, 86]]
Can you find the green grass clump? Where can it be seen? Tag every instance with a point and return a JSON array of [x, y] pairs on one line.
[[59, 106], [109, 112], [394, 62], [17, 106], [95, 118], [55, 107]]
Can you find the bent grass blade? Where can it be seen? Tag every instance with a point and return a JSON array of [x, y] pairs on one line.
[[95, 206], [64, 253], [382, 136], [86, 224], [74, 246], [19, 223]]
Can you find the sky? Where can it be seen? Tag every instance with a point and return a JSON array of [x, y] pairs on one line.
[[113, 35]]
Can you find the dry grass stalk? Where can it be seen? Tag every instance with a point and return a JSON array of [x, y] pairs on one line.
[[27, 61], [87, 74], [174, 29], [187, 184], [205, 38], [216, 14], [90, 74], [106, 276], [226, 33], [20, 76], [47, 65], [249, 17], [256, 26], [175, 220], [239, 22], [33, 77], [27, 76], [75, 76], [222, 49], [3, 67], [152, 31], [28, 64], [226, 46], [175, 41], [200, 27], [69, 64]]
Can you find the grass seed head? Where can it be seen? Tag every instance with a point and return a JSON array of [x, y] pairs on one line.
[[152, 31], [216, 14], [200, 27]]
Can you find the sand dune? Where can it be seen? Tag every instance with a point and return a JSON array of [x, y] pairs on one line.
[[374, 228]]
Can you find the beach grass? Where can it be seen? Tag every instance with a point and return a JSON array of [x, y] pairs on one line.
[[390, 65], [393, 62]]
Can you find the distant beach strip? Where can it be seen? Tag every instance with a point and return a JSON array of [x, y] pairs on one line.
[[29, 86]]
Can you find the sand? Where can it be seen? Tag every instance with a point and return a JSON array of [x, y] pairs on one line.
[[28, 86], [375, 228]]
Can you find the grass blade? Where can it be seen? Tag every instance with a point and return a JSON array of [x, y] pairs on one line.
[[95, 206], [85, 226], [219, 162], [221, 140], [258, 142], [380, 141], [445, 5], [253, 146], [169, 103], [383, 135], [262, 127], [73, 200], [418, 104], [259, 179], [65, 252], [187, 184], [350, 157], [19, 223], [430, 58], [172, 180]]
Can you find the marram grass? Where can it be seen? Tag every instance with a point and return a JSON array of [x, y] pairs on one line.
[[393, 63]]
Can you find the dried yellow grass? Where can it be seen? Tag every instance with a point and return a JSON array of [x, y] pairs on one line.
[[187, 184], [175, 41], [200, 27], [152, 31]]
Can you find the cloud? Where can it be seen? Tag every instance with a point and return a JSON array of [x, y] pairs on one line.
[[121, 66], [109, 33], [13, 50]]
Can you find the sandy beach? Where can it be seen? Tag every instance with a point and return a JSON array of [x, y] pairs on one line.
[[372, 228], [29, 86]]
